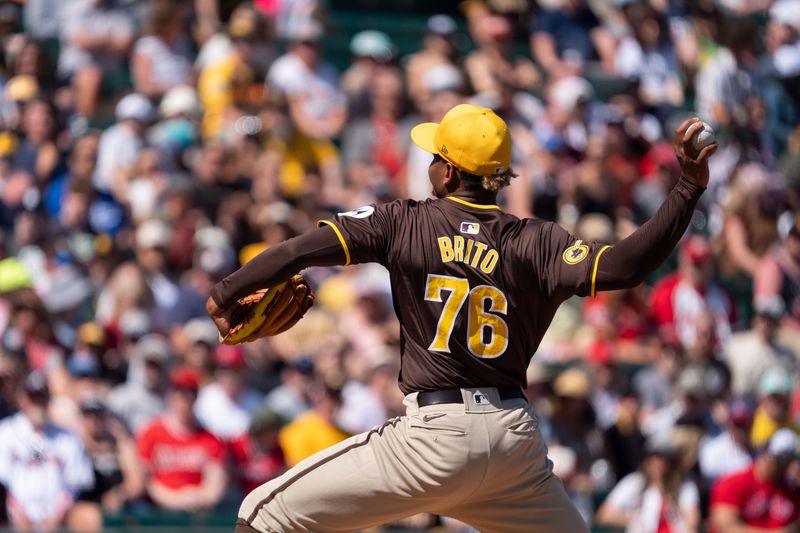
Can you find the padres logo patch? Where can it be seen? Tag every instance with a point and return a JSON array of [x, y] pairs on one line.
[[575, 253]]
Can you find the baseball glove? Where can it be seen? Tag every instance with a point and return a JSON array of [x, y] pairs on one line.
[[269, 312]]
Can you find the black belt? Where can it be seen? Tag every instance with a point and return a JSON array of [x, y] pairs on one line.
[[437, 397]]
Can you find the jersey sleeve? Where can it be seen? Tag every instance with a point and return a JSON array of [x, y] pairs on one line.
[[563, 264], [367, 233]]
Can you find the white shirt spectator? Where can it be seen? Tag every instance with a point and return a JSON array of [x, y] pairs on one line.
[[224, 417], [361, 410], [748, 356], [688, 304], [119, 147], [644, 503], [41, 470], [319, 88], [721, 455], [169, 67], [85, 18]]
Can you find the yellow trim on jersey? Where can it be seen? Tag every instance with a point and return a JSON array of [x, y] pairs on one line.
[[470, 204], [594, 271], [341, 238]]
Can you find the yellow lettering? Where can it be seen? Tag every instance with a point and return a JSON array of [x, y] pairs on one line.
[[458, 248], [490, 261], [446, 248], [479, 249], [470, 244]]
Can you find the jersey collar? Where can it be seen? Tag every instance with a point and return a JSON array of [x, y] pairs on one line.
[[470, 204]]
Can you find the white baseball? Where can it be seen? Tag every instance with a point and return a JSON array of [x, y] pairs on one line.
[[703, 137]]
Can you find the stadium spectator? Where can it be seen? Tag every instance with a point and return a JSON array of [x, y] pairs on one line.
[[37, 153], [184, 462], [290, 398], [437, 49], [772, 413], [317, 109], [656, 498], [256, 454], [95, 39], [779, 273], [160, 59], [42, 466], [373, 52], [225, 406], [679, 300], [759, 496], [117, 471], [729, 451], [315, 429], [141, 398], [120, 144], [750, 353]]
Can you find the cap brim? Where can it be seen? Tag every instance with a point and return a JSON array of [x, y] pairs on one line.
[[422, 135]]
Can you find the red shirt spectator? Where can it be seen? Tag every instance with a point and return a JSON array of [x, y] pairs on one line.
[[176, 458], [758, 496], [678, 300], [184, 461], [257, 455]]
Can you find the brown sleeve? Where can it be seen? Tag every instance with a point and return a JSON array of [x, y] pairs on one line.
[[319, 247], [367, 233], [628, 262]]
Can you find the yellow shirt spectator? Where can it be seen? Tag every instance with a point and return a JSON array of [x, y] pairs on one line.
[[308, 434]]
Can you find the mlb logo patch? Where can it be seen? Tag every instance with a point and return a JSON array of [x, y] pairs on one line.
[[470, 228], [480, 399]]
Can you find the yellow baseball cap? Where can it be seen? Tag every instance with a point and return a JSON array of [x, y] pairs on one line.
[[472, 138]]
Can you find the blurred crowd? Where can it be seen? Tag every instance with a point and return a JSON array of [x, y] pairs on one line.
[[150, 147]]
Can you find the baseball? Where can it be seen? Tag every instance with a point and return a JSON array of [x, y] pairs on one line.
[[703, 137]]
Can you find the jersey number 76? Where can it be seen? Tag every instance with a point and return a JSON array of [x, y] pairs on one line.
[[487, 333]]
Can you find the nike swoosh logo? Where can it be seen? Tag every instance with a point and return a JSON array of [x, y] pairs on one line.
[[428, 418]]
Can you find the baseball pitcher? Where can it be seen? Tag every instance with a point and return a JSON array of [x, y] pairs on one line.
[[474, 289]]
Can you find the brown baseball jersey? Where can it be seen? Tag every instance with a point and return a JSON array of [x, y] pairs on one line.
[[474, 288]]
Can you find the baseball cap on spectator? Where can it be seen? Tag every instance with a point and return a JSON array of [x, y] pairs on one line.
[[266, 419], [184, 378], [570, 91], [201, 330], [595, 227], [740, 411], [13, 275], [92, 333], [180, 100], [443, 77], [696, 248], [470, 137], [304, 365], [153, 233], [775, 380], [306, 31], [92, 404], [83, 365], [442, 25], [36, 384], [661, 444], [135, 323], [134, 106], [226, 356], [769, 305], [786, 12], [153, 348], [242, 28], [372, 43], [783, 443], [572, 383], [22, 88]]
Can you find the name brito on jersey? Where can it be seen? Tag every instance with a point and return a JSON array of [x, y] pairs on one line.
[[468, 251]]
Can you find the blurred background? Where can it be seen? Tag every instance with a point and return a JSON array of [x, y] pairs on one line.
[[150, 147]]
